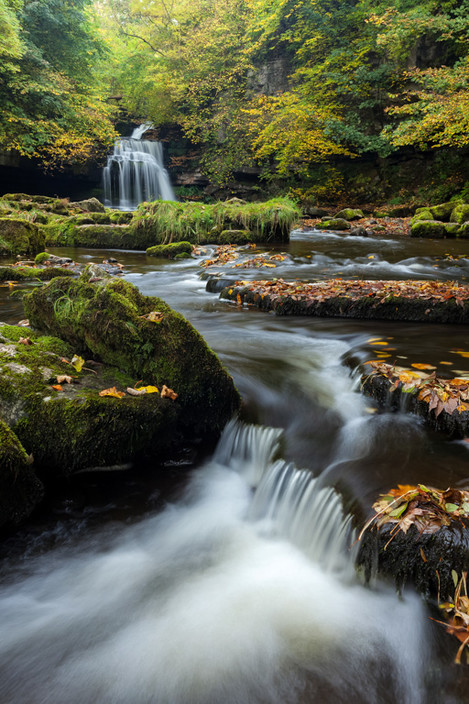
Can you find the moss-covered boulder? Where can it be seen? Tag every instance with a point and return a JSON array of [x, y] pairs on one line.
[[143, 337], [235, 237], [90, 205], [170, 251], [452, 229], [350, 214], [20, 489], [30, 273], [428, 228], [334, 224], [422, 214], [20, 237], [460, 213], [442, 212]]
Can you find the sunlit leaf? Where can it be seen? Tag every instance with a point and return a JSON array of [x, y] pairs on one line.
[[77, 362], [112, 392], [419, 365]]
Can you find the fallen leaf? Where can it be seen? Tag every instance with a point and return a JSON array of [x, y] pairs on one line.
[[64, 377], [148, 389], [57, 387], [112, 392], [153, 317], [419, 365], [77, 362], [25, 341], [168, 393]]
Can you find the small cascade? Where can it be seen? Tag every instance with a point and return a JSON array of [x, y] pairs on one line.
[[135, 172], [289, 502]]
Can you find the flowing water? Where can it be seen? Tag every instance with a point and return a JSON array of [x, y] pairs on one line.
[[234, 583], [135, 172]]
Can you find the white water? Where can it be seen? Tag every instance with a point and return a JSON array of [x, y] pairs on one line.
[[228, 597], [135, 172]]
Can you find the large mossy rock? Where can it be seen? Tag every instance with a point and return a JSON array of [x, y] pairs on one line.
[[170, 251], [350, 214], [110, 320], [20, 237], [20, 489], [90, 205], [460, 213], [429, 228], [335, 224]]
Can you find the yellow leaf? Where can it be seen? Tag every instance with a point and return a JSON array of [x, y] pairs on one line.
[[112, 392], [153, 317], [148, 389], [379, 343], [77, 362], [419, 365]]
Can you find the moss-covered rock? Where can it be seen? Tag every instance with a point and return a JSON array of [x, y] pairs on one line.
[[120, 217], [170, 251], [235, 237], [90, 205], [334, 224], [422, 214], [20, 237], [20, 489], [30, 273], [161, 222], [452, 229], [350, 214], [460, 213], [428, 228], [111, 321], [92, 219], [442, 212]]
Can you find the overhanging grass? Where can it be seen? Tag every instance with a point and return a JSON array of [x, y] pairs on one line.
[[201, 222]]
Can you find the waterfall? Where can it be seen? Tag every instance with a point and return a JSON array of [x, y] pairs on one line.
[[135, 172], [288, 502]]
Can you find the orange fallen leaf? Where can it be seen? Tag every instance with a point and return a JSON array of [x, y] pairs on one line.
[[419, 365], [57, 387], [166, 392], [112, 392]]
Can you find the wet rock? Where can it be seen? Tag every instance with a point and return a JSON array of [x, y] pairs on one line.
[[90, 205], [350, 214], [443, 211], [337, 224], [111, 321], [170, 251], [235, 237], [20, 237], [425, 561], [422, 214], [20, 489], [359, 232], [428, 228], [460, 213]]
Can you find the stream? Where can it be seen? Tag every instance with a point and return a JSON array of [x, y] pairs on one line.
[[231, 581]]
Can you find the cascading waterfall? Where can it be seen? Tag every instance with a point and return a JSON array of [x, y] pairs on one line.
[[210, 602], [135, 172]]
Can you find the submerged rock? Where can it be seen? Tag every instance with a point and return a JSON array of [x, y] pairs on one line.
[[20, 489]]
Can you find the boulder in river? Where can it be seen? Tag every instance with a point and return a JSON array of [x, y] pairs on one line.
[[20, 489], [140, 341], [19, 236], [350, 214]]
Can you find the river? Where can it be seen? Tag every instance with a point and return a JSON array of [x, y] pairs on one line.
[[231, 581]]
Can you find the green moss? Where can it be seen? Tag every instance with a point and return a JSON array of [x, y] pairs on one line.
[[92, 219], [452, 229], [29, 273], [20, 489], [334, 224], [41, 257], [350, 214], [428, 228], [170, 251], [107, 321], [422, 214], [120, 217], [235, 237], [20, 237], [164, 221], [460, 213], [443, 211]]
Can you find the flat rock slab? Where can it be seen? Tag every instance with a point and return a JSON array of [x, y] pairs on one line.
[[413, 301]]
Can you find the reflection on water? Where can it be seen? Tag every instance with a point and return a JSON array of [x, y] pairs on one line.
[[220, 597]]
